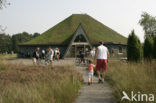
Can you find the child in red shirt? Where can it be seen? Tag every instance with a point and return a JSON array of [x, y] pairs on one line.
[[90, 72]]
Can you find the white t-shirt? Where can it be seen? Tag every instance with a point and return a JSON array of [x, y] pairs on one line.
[[102, 52], [92, 53], [43, 51]]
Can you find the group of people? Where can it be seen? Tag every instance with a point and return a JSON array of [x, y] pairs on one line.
[[82, 54], [100, 59], [49, 55]]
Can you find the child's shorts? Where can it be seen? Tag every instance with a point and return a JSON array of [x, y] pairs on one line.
[[90, 74]]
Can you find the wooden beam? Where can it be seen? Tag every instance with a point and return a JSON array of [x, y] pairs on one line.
[[80, 43], [75, 51]]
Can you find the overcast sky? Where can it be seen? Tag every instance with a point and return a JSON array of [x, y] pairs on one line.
[[39, 15]]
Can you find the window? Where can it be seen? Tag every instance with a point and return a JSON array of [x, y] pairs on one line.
[[80, 38]]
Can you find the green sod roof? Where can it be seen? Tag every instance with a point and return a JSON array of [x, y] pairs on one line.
[[63, 32]]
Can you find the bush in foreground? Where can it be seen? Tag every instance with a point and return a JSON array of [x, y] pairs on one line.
[[37, 84]]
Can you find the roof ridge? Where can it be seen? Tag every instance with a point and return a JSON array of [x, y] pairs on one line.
[[80, 14]]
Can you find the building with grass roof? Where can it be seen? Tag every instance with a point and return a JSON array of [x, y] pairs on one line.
[[78, 31]]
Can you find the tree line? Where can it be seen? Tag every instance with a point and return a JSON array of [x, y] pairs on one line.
[[3, 4], [10, 43], [136, 51]]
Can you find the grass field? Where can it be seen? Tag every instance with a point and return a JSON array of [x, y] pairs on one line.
[[38, 84], [137, 77], [7, 56]]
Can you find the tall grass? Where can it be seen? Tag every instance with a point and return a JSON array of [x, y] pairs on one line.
[[136, 77], [7, 56], [38, 84]]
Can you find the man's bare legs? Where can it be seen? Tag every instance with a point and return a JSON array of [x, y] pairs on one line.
[[99, 76], [98, 72], [103, 75]]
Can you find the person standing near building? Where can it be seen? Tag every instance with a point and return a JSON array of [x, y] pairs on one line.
[[51, 55], [92, 52], [82, 55], [36, 56], [43, 54], [101, 55], [57, 53]]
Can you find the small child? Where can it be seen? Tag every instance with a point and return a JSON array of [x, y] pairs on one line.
[[90, 72]]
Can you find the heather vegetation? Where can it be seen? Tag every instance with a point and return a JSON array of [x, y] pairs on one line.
[[38, 84], [128, 77], [7, 57]]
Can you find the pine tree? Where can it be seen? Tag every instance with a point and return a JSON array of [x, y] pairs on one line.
[[154, 48], [148, 49], [134, 48]]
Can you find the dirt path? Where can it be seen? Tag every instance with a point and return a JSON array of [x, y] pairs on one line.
[[95, 93]]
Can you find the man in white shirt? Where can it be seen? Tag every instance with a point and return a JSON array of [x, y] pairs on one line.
[[101, 55]]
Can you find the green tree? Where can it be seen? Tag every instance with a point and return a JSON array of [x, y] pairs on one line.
[[148, 49], [3, 3], [21, 38], [134, 48], [5, 43], [36, 35], [148, 23], [15, 44], [8, 43], [154, 48]]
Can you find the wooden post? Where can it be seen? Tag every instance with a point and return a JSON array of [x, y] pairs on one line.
[[84, 50], [75, 51]]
